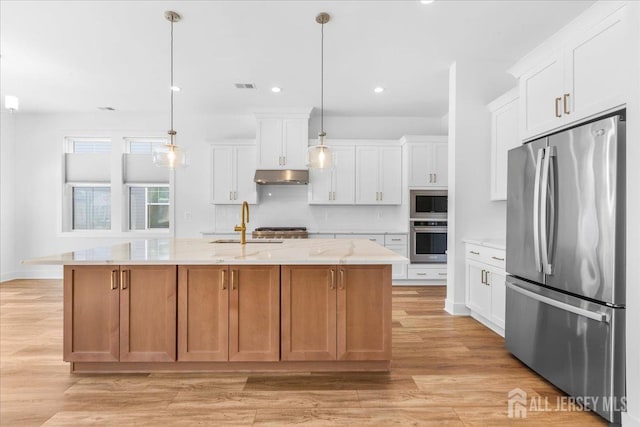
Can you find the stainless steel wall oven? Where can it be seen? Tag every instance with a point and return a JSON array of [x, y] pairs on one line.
[[428, 240]]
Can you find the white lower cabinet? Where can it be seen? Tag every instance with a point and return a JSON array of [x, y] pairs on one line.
[[485, 285], [427, 272]]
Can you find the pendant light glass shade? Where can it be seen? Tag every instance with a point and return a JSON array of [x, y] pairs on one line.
[[170, 155], [319, 155]]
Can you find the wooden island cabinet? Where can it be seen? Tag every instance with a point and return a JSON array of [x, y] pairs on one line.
[[313, 305], [125, 313], [336, 312]]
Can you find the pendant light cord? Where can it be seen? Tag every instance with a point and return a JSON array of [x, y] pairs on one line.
[[322, 78], [171, 87]]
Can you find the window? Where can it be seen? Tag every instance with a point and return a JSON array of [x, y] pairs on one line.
[[148, 208], [87, 177], [91, 208], [148, 185], [110, 185]]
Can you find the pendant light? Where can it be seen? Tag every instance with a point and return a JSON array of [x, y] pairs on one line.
[[320, 155], [170, 155]]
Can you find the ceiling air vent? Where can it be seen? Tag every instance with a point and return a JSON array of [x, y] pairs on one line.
[[245, 86]]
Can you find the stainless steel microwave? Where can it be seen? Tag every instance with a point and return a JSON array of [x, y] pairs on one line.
[[429, 204]]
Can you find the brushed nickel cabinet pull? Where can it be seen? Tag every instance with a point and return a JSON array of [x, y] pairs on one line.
[[235, 195], [334, 195], [421, 274], [498, 259], [284, 160], [435, 177], [565, 103], [114, 283], [474, 252], [486, 278], [558, 107], [333, 279], [223, 279], [482, 277], [442, 274], [230, 195], [381, 195], [123, 281]]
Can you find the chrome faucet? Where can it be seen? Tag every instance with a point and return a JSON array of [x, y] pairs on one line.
[[243, 228]]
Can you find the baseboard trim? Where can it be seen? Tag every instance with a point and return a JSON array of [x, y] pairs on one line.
[[457, 308], [53, 273], [418, 283]]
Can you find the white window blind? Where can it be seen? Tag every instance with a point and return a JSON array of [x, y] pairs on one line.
[[91, 208], [138, 162], [88, 160]]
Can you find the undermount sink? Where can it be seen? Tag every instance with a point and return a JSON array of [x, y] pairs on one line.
[[250, 241]]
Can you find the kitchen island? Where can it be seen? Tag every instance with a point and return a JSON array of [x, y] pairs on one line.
[[196, 305]]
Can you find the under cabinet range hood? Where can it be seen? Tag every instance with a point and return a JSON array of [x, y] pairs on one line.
[[282, 176]]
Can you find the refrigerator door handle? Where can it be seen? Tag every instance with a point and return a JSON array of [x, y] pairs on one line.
[[536, 211], [594, 315], [543, 232]]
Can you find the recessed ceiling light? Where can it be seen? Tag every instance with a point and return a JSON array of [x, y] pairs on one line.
[[378, 89], [276, 89], [426, 1], [175, 88]]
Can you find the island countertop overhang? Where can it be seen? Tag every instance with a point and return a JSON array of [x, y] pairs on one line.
[[204, 252]]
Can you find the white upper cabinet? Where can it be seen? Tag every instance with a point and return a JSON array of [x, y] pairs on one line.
[[282, 140], [504, 136], [379, 175], [586, 75], [428, 162], [541, 99], [335, 185], [233, 169]]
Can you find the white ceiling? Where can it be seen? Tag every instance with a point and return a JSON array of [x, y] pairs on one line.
[[75, 56]]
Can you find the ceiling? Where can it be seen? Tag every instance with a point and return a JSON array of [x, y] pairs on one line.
[[73, 56]]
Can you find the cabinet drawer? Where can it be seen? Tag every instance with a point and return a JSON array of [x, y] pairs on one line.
[[426, 273], [491, 256], [378, 238], [395, 239]]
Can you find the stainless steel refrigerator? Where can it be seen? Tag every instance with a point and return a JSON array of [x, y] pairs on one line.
[[566, 261]]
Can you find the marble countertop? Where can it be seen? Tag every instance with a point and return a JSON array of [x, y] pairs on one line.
[[489, 243], [202, 251], [314, 232]]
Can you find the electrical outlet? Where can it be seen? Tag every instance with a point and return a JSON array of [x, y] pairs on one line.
[[187, 216]]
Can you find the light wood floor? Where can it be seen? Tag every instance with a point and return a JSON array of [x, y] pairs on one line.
[[446, 371]]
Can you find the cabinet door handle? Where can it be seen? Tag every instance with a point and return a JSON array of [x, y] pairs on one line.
[[482, 277], [123, 281], [442, 274], [486, 278], [235, 195], [435, 177], [565, 103], [396, 240], [333, 279], [421, 274], [334, 195], [284, 160], [342, 284], [114, 279], [558, 107], [498, 259], [230, 195], [474, 252], [234, 285], [223, 279], [381, 195]]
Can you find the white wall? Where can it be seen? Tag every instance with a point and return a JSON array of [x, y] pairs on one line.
[[31, 161], [471, 212], [7, 185]]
